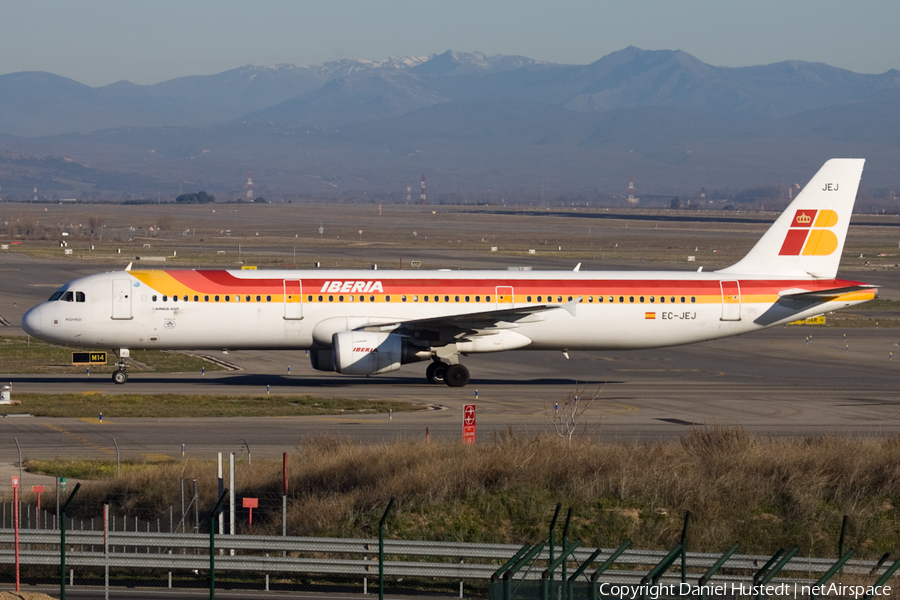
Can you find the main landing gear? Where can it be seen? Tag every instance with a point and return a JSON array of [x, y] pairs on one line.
[[120, 375], [453, 375]]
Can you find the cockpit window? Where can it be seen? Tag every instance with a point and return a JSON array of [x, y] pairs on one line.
[[79, 296], [56, 296], [68, 297]]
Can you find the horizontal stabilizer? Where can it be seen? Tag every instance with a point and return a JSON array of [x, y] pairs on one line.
[[827, 295]]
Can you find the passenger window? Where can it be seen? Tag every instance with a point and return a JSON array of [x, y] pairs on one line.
[[570, 298], [79, 296], [527, 298], [446, 298], [590, 299], [652, 299], [642, 299], [672, 299], [349, 298], [456, 298], [196, 298], [477, 298], [268, 298], [227, 298], [403, 298], [631, 298], [599, 298], [362, 298], [206, 298], [387, 298], [437, 298], [487, 298], [174, 298], [259, 298], [330, 298], [237, 298], [415, 298], [152, 298], [371, 298], [340, 298], [662, 299], [682, 299], [165, 298], [308, 298], [467, 298], [693, 299]]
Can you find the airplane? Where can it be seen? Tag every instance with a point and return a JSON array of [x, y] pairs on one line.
[[363, 322]]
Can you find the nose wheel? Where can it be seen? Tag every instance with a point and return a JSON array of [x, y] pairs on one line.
[[120, 375]]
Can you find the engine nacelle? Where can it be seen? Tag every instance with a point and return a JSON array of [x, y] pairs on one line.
[[321, 360], [369, 352]]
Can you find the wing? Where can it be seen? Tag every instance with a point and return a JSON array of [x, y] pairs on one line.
[[437, 331]]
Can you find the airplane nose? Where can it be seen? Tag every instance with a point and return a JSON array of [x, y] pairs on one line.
[[31, 321]]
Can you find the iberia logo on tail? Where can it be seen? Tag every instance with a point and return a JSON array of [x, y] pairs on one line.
[[810, 234]]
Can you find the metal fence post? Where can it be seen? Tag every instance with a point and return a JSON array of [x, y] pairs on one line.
[[552, 529], [381, 549], [212, 545], [565, 543], [62, 543]]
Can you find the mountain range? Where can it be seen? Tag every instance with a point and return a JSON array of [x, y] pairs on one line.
[[471, 122]]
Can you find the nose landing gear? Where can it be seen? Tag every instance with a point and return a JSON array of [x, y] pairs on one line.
[[120, 375]]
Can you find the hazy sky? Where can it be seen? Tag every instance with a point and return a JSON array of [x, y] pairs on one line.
[[97, 42]]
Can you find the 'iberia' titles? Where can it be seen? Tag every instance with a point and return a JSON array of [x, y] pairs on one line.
[[351, 287]]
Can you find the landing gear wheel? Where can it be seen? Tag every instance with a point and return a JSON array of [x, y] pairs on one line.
[[120, 376], [456, 376], [436, 372]]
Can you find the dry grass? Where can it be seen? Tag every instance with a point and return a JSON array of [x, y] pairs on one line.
[[762, 492]]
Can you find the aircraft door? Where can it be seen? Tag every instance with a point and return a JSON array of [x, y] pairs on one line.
[[121, 299], [293, 299], [731, 300], [504, 296]]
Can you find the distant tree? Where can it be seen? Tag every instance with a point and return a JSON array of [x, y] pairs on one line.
[[675, 203], [260, 200], [165, 222], [198, 198], [95, 223]]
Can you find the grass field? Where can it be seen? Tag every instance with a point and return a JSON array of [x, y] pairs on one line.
[[764, 493], [27, 355], [182, 406]]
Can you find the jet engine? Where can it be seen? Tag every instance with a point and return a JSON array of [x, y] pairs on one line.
[[321, 360], [369, 353]]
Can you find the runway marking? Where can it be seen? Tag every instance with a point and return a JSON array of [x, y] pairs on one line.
[[658, 370], [93, 420], [622, 408], [75, 436]]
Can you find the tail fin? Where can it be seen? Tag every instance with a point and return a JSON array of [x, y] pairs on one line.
[[808, 237]]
